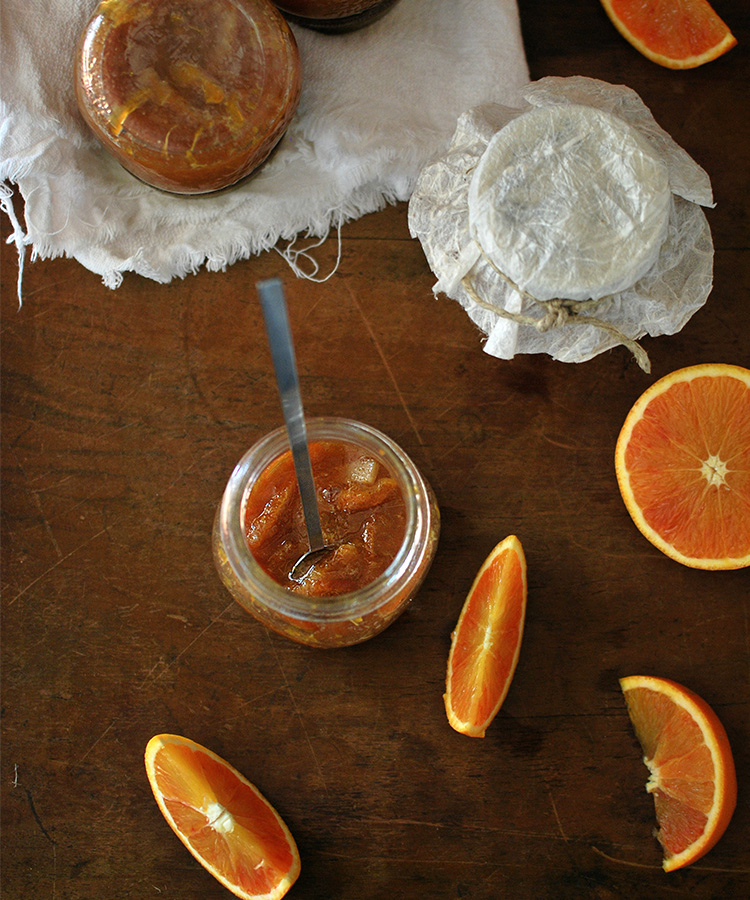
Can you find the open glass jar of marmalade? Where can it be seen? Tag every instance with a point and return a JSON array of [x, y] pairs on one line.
[[376, 509]]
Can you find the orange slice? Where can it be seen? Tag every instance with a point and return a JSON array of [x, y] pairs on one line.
[[687, 752], [223, 820], [487, 640], [678, 34], [683, 465]]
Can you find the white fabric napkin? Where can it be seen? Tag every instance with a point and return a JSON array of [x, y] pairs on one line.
[[377, 104]]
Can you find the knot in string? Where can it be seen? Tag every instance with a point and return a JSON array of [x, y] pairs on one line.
[[557, 313]]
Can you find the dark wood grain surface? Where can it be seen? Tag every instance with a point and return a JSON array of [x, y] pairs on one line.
[[123, 413]]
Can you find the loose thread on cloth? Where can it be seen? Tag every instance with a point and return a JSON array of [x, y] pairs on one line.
[[292, 255], [558, 313], [18, 237]]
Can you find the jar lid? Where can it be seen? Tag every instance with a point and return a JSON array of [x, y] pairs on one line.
[[334, 16], [189, 95], [570, 202]]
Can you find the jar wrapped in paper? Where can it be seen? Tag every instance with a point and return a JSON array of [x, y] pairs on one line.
[[568, 226]]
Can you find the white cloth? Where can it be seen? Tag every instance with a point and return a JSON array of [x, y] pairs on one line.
[[377, 104]]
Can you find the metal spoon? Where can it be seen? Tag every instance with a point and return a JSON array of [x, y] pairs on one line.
[[279, 333]]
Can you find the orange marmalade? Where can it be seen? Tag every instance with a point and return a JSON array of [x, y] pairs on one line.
[[362, 513], [190, 96]]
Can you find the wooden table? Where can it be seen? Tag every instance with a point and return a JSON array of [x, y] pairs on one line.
[[125, 411]]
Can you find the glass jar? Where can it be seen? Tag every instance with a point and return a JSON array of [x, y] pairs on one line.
[[334, 16], [327, 621], [190, 98]]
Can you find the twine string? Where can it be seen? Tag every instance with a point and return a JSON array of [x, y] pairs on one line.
[[557, 313]]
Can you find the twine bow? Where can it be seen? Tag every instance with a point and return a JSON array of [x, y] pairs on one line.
[[557, 313]]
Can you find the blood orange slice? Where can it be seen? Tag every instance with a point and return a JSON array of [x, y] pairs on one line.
[[683, 465], [687, 752], [223, 820], [486, 642], [678, 34]]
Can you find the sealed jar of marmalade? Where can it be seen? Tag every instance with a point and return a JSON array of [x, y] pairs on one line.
[[334, 16], [190, 96], [377, 512]]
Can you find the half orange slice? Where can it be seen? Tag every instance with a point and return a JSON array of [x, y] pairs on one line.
[[486, 642], [683, 465], [686, 749], [678, 34], [223, 820]]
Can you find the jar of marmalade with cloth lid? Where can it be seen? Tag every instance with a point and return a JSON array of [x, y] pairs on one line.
[[379, 518]]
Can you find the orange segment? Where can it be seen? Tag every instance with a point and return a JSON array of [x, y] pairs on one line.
[[223, 820], [687, 752], [678, 34], [683, 465], [486, 642]]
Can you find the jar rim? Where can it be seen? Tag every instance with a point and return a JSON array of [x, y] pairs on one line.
[[344, 606]]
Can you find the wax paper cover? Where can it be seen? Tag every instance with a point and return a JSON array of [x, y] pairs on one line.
[[661, 299]]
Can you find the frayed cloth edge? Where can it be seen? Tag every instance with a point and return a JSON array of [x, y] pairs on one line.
[[368, 199]]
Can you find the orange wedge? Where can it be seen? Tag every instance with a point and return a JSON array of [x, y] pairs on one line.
[[687, 752], [223, 820], [486, 642], [683, 465], [678, 34]]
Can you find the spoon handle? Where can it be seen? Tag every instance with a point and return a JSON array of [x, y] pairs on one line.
[[272, 300]]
